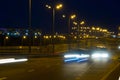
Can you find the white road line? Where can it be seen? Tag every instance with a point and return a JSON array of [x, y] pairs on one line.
[[3, 78]]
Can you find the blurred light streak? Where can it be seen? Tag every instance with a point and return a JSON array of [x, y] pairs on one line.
[[12, 60]]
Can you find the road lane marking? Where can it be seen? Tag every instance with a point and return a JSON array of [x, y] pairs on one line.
[[31, 70], [3, 78]]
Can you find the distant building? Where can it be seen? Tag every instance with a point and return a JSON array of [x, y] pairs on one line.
[[18, 32], [90, 32]]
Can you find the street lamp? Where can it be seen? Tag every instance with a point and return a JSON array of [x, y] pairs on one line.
[[30, 5], [56, 7], [71, 17], [82, 22]]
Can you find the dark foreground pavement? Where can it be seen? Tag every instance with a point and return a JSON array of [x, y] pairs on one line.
[[56, 69]]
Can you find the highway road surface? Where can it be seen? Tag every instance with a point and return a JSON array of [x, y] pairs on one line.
[[55, 68]]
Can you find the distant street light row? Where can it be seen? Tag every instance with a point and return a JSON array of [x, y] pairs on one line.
[[70, 17]]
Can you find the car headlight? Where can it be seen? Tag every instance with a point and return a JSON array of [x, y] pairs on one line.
[[118, 47], [100, 55], [71, 56]]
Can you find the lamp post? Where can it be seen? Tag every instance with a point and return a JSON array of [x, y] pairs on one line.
[[56, 7], [69, 22], [69, 37], [30, 5]]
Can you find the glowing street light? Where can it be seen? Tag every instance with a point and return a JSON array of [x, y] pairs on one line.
[[35, 37], [73, 16], [75, 23], [82, 22], [6, 37], [24, 37], [59, 6], [63, 16], [49, 7]]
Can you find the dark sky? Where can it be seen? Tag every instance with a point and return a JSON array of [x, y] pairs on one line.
[[104, 13]]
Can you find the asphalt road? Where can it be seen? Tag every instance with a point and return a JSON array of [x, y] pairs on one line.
[[56, 69]]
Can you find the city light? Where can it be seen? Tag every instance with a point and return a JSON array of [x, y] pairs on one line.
[[73, 16], [75, 37], [6, 37], [35, 37], [59, 6], [93, 28], [63, 16], [98, 28], [75, 23], [24, 37], [48, 6], [82, 22]]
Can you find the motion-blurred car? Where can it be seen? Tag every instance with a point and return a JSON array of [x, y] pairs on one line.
[[76, 55], [100, 53]]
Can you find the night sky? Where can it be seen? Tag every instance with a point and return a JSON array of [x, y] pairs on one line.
[[104, 13]]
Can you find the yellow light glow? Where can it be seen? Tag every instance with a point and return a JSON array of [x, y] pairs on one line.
[[20, 47], [82, 22], [46, 37], [6, 37], [54, 36], [75, 23], [104, 30], [24, 37], [59, 6], [75, 37], [64, 37], [50, 36], [73, 16], [35, 37], [93, 28], [98, 28]]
